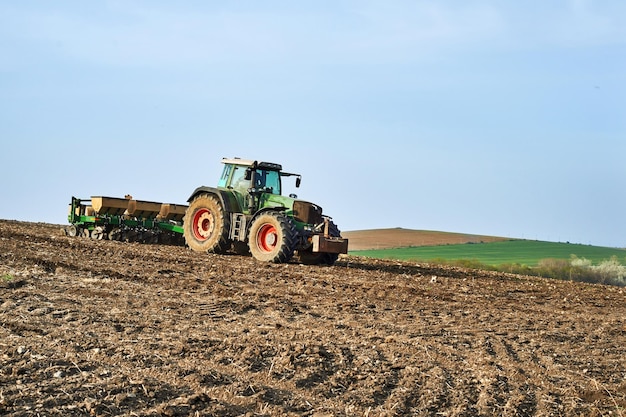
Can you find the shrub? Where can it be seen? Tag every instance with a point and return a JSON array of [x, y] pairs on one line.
[[580, 269], [575, 269], [554, 268], [611, 272], [516, 268]]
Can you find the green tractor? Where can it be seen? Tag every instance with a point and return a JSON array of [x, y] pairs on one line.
[[247, 213]]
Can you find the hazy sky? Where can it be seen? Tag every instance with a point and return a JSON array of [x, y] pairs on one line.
[[491, 117]]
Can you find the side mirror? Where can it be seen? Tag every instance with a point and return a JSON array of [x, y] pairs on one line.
[[298, 182], [248, 176]]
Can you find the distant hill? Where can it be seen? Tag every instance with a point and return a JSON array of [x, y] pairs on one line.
[[399, 238]]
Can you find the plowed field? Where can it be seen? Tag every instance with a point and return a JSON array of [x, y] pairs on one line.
[[106, 328], [401, 238]]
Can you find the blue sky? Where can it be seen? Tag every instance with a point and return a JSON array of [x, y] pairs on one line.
[[490, 117]]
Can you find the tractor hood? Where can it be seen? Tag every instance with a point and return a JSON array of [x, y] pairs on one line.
[[302, 211]]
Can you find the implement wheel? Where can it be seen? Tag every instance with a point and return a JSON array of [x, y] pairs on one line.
[[206, 226], [272, 238], [97, 233], [115, 234]]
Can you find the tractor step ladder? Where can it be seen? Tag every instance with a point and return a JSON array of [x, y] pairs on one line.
[[238, 227]]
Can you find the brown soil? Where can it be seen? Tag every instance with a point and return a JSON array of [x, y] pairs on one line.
[[106, 328], [401, 238]]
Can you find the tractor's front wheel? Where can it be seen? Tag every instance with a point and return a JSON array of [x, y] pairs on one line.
[[272, 238], [206, 226]]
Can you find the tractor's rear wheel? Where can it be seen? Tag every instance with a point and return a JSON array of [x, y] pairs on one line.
[[206, 226], [272, 238]]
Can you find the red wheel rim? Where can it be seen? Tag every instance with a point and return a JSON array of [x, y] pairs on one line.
[[202, 224], [267, 238]]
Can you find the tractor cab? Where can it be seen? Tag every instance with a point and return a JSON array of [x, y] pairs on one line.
[[253, 183]]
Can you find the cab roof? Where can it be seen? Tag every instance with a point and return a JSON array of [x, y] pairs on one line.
[[250, 163]]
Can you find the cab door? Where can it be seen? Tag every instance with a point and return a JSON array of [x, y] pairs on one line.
[[240, 185]]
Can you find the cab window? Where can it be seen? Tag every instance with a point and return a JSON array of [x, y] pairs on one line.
[[225, 174], [269, 180], [238, 179]]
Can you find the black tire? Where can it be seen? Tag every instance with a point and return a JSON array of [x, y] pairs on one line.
[[115, 234], [316, 258], [272, 238], [206, 226], [130, 235], [98, 233]]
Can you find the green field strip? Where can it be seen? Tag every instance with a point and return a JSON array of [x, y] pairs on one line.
[[523, 252]]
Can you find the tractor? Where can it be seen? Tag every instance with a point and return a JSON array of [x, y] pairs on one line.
[[247, 213]]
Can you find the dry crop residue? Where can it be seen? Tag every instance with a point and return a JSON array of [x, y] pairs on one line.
[[106, 328]]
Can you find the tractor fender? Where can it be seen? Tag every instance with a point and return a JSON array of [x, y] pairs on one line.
[[227, 198], [265, 210]]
